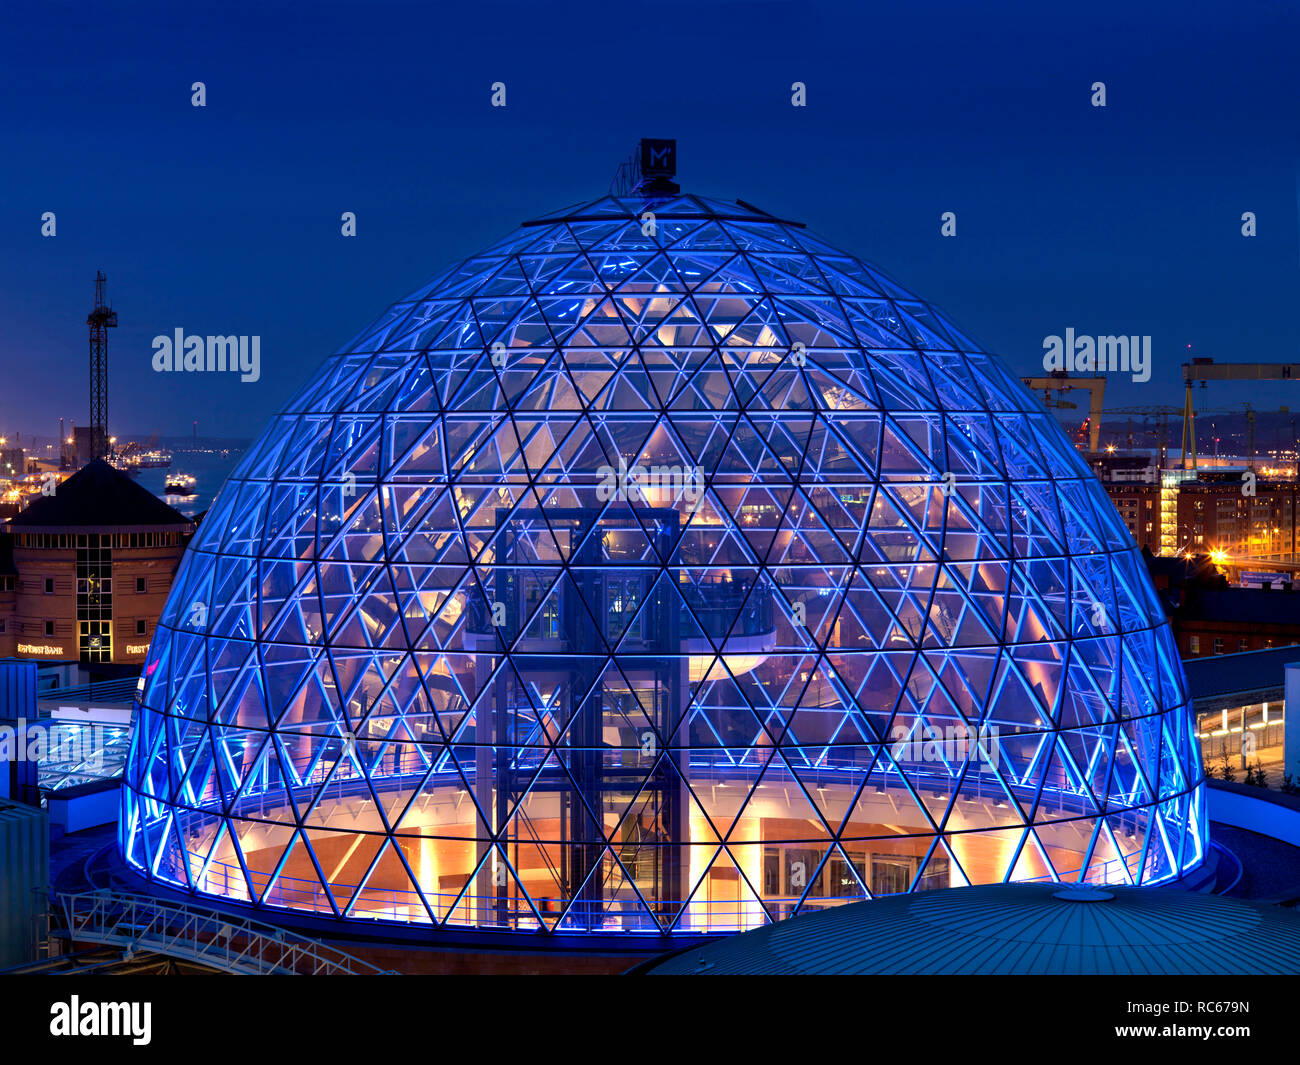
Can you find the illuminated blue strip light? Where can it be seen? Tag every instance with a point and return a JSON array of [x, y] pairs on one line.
[[658, 578]]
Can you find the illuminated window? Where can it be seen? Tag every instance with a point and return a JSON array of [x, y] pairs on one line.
[[95, 597]]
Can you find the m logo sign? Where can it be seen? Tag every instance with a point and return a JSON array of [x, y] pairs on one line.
[[658, 158]]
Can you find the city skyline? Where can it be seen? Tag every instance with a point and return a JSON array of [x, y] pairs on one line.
[[226, 219]]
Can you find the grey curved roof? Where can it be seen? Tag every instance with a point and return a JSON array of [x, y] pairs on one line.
[[1013, 929]]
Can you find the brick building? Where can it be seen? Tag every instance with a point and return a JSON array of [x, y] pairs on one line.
[[1225, 621], [1138, 504], [1211, 617], [84, 573], [1215, 514]]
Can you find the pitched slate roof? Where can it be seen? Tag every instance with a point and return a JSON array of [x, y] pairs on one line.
[[98, 496]]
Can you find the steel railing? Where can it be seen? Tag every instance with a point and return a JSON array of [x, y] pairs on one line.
[[208, 937], [1214, 748], [118, 690]]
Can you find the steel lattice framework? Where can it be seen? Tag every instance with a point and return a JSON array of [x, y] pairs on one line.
[[660, 569], [101, 319]]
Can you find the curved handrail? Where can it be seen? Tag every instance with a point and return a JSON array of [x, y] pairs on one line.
[[209, 937]]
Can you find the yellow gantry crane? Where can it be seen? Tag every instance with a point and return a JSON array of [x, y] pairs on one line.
[[1059, 381], [1204, 370]]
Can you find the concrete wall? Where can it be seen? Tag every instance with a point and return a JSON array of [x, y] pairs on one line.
[[1269, 813]]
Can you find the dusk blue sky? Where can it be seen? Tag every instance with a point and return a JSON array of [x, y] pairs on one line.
[[225, 219]]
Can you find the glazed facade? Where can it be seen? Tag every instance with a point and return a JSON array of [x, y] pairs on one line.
[[660, 569]]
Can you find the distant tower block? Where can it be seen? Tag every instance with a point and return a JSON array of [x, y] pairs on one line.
[[100, 320]]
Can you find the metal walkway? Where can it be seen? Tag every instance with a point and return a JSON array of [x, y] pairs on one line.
[[213, 939]]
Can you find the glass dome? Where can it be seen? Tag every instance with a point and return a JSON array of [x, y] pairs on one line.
[[660, 569]]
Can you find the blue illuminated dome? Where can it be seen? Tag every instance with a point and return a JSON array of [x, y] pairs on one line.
[[660, 569]]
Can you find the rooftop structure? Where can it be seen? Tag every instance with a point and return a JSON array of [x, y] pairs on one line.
[[98, 497], [662, 569]]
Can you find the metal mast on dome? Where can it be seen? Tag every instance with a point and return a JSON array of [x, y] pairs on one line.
[[648, 171]]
